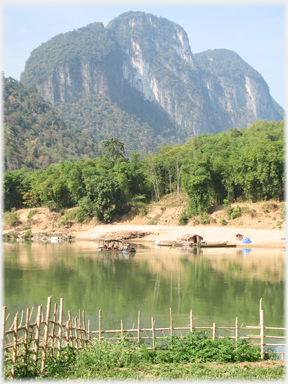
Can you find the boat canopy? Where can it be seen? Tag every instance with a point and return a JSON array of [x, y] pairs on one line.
[[193, 238]]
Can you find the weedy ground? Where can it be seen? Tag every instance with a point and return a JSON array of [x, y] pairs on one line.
[[194, 357]]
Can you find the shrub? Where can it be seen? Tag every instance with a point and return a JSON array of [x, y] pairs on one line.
[[236, 212], [223, 221], [204, 219], [11, 219], [183, 218], [27, 234]]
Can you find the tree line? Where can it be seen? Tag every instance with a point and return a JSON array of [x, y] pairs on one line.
[[241, 163]]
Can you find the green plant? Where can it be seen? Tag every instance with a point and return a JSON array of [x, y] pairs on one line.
[[30, 215], [265, 209], [236, 212], [204, 219], [223, 221], [28, 234], [183, 218], [11, 219]]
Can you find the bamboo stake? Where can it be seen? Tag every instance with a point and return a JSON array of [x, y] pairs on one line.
[[70, 330], [262, 333], [84, 327], [53, 328], [88, 331], [37, 333], [171, 323], [139, 315], [46, 329], [122, 333], [191, 321], [100, 317], [153, 333], [15, 337], [60, 326], [214, 331], [76, 332], [26, 330], [236, 331], [79, 326], [4, 311]]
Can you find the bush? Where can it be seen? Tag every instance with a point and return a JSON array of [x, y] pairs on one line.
[[11, 219], [236, 212], [204, 219], [223, 221], [184, 218], [27, 234]]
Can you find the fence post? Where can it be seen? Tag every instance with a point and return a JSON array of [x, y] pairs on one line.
[[70, 330], [153, 334], [262, 333], [15, 339], [46, 329], [60, 326], [191, 321], [37, 333], [53, 328], [139, 314], [88, 332], [122, 330], [100, 318], [236, 332], [214, 331], [171, 323], [84, 342], [4, 311]]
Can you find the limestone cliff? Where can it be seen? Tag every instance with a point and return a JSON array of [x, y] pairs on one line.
[[145, 65]]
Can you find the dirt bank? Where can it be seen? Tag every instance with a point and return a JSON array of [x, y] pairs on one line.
[[261, 222]]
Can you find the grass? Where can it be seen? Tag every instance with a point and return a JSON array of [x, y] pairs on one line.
[[189, 358]]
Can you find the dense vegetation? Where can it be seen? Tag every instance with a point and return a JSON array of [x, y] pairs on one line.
[[171, 359], [211, 169], [90, 43], [34, 135], [37, 135]]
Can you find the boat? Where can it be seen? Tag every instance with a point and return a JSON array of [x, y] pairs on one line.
[[109, 244], [223, 244], [163, 243], [127, 248]]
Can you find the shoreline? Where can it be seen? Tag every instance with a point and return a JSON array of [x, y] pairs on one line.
[[151, 233]]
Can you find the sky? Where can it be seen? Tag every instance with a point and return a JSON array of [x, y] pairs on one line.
[[255, 32]]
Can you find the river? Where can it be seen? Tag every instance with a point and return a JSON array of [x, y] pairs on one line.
[[217, 284]]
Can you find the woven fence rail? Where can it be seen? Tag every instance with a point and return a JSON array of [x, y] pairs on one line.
[[49, 336]]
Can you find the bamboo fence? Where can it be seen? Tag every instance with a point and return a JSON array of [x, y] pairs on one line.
[[48, 336]]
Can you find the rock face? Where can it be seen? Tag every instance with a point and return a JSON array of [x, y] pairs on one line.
[[141, 54]]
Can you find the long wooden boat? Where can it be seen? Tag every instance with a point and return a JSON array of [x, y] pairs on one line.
[[163, 243], [216, 245]]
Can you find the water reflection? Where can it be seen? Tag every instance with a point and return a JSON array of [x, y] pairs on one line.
[[218, 284]]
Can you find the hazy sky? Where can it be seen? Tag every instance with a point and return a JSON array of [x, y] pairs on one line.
[[256, 32]]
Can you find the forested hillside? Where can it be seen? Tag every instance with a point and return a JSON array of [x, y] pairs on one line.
[[240, 164], [37, 134], [34, 135]]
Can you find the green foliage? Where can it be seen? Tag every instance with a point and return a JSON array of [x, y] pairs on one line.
[[204, 219], [236, 212], [34, 135], [28, 234], [11, 219], [223, 221], [106, 359], [184, 217]]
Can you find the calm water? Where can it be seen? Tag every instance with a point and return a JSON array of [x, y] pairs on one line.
[[217, 284]]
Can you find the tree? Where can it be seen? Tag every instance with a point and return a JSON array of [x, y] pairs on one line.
[[113, 149]]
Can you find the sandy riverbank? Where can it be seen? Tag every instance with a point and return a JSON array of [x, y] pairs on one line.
[[151, 233]]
